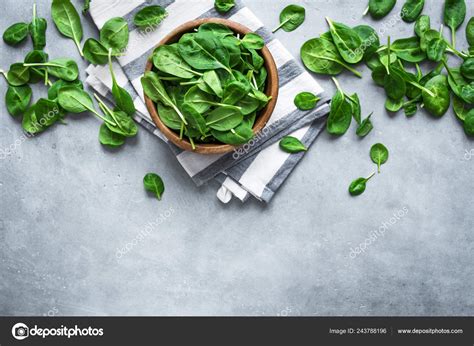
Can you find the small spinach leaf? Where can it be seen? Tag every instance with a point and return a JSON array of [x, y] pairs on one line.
[[306, 101], [149, 16], [359, 185], [292, 145], [379, 154], [154, 184], [67, 21], [15, 34], [291, 18]]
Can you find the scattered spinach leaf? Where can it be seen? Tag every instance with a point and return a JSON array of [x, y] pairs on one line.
[[291, 18], [454, 14], [17, 99], [379, 154], [224, 6], [411, 10], [292, 145], [149, 16], [154, 184], [365, 127], [359, 185], [15, 34], [306, 101], [67, 21]]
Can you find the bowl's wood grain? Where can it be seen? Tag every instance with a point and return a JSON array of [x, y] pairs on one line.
[[270, 90]]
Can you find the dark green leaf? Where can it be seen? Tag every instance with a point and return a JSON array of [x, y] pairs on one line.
[[292, 145], [306, 101], [109, 138], [380, 8], [439, 104], [149, 16], [347, 42], [411, 10], [365, 127], [379, 154], [340, 115], [291, 18], [67, 21], [17, 99], [224, 6], [114, 34], [15, 33], [154, 184]]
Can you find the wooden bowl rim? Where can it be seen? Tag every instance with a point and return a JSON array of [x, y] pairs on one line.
[[271, 88]]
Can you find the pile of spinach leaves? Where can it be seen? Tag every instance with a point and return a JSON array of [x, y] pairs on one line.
[[209, 86], [396, 66], [66, 93]]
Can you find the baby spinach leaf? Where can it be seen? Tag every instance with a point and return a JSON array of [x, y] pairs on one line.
[[467, 68], [194, 118], [154, 184], [169, 116], [365, 127], [252, 41], [469, 123], [347, 42], [379, 154], [306, 101], [123, 100], [154, 89], [234, 92], [29, 122], [439, 104], [238, 136], [149, 16], [321, 56], [168, 60], [470, 31], [216, 29], [47, 112], [340, 116], [67, 21], [204, 51], [380, 8], [36, 75], [18, 74], [63, 68], [95, 52], [411, 10], [54, 88], [224, 6], [292, 145], [370, 40], [436, 48], [224, 118], [74, 100], [355, 106], [408, 49], [410, 109], [422, 24], [291, 18], [109, 138], [37, 29], [249, 104], [15, 33], [114, 34], [359, 185], [454, 14], [213, 82], [121, 123], [200, 100], [461, 109], [17, 99], [394, 85], [393, 105]]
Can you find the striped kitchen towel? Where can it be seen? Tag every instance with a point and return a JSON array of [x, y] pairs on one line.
[[257, 168]]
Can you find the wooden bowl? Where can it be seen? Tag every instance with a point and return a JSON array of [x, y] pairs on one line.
[[270, 90]]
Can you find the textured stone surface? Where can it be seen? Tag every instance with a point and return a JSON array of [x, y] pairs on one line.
[[67, 204]]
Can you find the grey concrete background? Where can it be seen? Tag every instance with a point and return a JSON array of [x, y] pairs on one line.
[[68, 204]]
